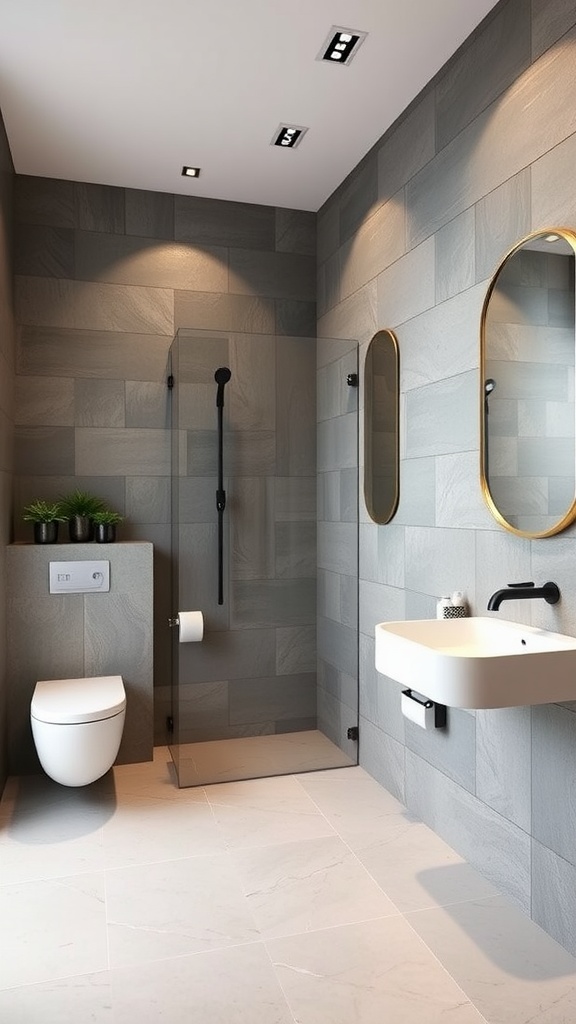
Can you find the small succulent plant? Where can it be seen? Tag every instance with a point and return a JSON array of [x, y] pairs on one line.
[[80, 503], [41, 511]]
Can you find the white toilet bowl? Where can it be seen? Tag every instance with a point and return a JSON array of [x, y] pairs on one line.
[[77, 726]]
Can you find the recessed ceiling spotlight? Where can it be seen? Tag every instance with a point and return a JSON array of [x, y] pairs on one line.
[[191, 172], [288, 135], [341, 45]]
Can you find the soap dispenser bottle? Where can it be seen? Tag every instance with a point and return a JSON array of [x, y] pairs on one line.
[[459, 607]]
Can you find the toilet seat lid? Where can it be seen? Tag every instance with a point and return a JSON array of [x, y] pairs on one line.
[[72, 701]]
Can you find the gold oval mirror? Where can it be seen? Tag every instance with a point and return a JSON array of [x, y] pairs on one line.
[[381, 446], [527, 371]]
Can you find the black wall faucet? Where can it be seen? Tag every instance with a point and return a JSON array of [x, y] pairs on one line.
[[524, 592]]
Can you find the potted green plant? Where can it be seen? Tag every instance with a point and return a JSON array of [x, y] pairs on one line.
[[105, 523], [45, 516], [79, 508]]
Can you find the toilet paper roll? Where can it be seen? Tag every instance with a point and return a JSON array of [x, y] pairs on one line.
[[418, 709], [191, 626]]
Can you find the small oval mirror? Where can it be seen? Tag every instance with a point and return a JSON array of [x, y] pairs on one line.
[[527, 363], [381, 444]]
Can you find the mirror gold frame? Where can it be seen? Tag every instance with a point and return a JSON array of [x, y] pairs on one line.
[[381, 427], [569, 516]]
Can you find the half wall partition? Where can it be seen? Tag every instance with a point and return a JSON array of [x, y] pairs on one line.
[[272, 688]]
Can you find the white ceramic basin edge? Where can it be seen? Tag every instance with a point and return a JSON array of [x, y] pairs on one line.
[[478, 662]]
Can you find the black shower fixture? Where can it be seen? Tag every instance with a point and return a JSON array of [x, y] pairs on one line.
[[221, 376]]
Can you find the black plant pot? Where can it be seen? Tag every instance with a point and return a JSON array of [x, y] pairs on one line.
[[46, 533], [80, 529], [105, 533]]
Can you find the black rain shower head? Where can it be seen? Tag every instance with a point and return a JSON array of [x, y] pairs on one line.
[[221, 376]]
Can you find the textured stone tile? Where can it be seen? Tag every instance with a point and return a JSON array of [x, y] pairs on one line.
[[149, 214], [338, 443], [252, 536], [398, 300], [251, 394], [383, 757], [459, 500], [379, 696], [295, 550], [295, 407], [503, 756], [126, 308], [295, 318], [44, 401], [274, 275], [358, 197], [44, 301], [129, 452], [355, 317], [295, 650], [99, 208], [328, 229], [550, 20], [407, 147], [485, 68], [120, 259], [500, 849], [341, 686], [295, 498], [147, 404], [443, 417], [217, 222], [553, 779], [502, 219], [440, 561], [99, 403], [46, 201], [553, 201], [272, 602], [248, 653], [452, 749], [337, 645], [337, 547], [276, 698], [105, 354], [553, 895], [452, 181], [218, 311], [43, 251], [417, 505], [379, 603], [454, 326], [148, 499], [44, 450], [296, 231], [334, 720], [378, 242], [454, 256]]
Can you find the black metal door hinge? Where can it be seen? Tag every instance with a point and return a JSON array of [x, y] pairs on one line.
[[352, 733]]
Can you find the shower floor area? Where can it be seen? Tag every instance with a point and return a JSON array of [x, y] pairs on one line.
[[256, 757]]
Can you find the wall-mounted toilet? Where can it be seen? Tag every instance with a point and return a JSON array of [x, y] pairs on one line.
[[77, 726]]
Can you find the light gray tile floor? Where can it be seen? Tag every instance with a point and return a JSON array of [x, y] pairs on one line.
[[303, 899]]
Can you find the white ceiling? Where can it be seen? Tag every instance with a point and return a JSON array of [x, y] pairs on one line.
[[124, 92]]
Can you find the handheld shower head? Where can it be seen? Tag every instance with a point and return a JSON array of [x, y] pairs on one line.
[[489, 385], [221, 376]]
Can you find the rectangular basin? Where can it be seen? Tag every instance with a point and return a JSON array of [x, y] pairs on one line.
[[478, 662]]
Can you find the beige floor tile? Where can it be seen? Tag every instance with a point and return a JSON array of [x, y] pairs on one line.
[[315, 883], [369, 973], [512, 971], [168, 909], [81, 998], [52, 929]]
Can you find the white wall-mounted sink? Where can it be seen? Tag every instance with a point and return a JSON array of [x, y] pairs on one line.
[[478, 662]]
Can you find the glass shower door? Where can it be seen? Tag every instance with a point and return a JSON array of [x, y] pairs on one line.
[[253, 698]]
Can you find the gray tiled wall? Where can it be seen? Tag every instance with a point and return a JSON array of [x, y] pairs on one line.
[[409, 241], [6, 414], [104, 278]]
